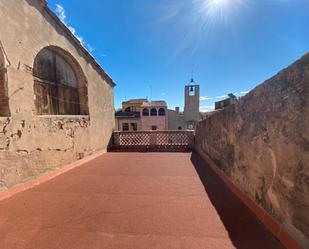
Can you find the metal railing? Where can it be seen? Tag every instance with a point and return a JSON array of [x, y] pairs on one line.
[[147, 141]]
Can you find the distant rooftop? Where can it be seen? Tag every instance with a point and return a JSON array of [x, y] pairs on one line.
[[121, 114], [136, 101], [158, 103], [147, 103]]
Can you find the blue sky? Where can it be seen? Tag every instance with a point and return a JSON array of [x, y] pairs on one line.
[[230, 45]]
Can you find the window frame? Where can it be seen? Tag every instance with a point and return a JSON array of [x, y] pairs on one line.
[[4, 98], [55, 94], [192, 91], [152, 114], [144, 112], [160, 113], [128, 109], [134, 126], [154, 127], [125, 124]]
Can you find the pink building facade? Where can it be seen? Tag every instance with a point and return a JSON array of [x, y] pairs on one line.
[[154, 116]]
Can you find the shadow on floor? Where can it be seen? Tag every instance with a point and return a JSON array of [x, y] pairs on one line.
[[245, 230]]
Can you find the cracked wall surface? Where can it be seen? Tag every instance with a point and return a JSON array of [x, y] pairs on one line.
[[262, 144], [32, 145]]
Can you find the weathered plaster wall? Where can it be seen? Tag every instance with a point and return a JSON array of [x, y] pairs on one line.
[[262, 144], [160, 121], [31, 145], [176, 120]]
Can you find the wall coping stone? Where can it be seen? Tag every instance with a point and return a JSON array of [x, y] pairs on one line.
[[64, 116]]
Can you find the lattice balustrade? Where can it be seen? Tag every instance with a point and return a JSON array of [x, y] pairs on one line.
[[153, 141]]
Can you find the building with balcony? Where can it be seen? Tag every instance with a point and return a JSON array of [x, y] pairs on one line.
[[129, 117], [141, 114], [127, 121], [154, 116]]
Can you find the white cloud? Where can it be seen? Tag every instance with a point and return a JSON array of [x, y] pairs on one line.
[[206, 98], [245, 92], [203, 98], [163, 94], [60, 11], [220, 97], [207, 108]]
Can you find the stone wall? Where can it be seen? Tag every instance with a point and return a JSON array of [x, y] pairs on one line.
[[176, 120], [192, 105], [262, 144], [31, 145]]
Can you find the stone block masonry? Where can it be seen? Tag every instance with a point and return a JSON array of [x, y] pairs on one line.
[[262, 144]]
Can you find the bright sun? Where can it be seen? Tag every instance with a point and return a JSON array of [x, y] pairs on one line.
[[217, 8], [218, 3]]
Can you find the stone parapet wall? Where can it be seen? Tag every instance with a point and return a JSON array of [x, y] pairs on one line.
[[262, 144]]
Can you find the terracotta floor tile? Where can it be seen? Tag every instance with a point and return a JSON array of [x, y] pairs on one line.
[[132, 201]]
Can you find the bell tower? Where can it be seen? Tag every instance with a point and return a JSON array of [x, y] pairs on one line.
[[192, 105]]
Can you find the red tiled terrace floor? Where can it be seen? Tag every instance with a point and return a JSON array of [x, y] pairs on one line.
[[132, 201]]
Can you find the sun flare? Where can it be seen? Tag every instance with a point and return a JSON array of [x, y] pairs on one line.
[[218, 2], [221, 9]]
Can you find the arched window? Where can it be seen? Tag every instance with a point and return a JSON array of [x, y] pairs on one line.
[[4, 100], [153, 112], [161, 112], [128, 109], [145, 112], [60, 86]]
